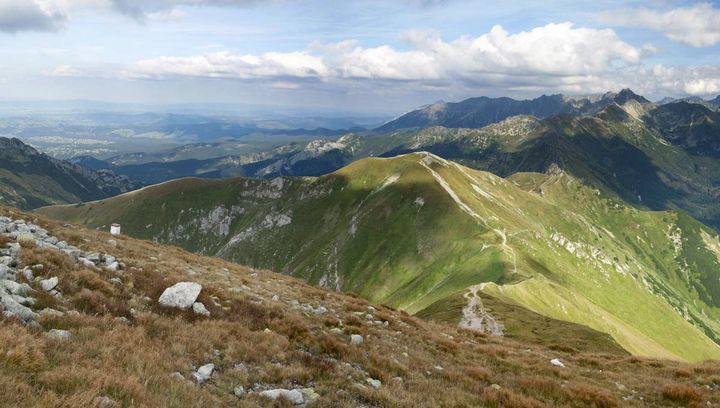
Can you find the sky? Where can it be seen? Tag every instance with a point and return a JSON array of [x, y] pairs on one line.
[[364, 56]]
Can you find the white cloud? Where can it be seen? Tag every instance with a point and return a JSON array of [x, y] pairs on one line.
[[698, 25], [30, 15], [559, 51], [548, 59], [227, 65]]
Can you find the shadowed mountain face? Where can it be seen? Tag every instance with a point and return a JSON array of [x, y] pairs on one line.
[[690, 125], [482, 111], [417, 231], [29, 179]]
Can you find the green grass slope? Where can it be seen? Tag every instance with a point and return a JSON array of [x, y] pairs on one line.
[[416, 230]]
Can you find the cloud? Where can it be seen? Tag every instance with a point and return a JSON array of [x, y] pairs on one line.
[[698, 25], [140, 10], [552, 51], [553, 58], [230, 66], [30, 15]]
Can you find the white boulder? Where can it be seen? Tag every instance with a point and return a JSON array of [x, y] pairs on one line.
[[204, 373], [182, 295], [356, 339], [49, 284], [556, 362], [376, 384], [294, 396]]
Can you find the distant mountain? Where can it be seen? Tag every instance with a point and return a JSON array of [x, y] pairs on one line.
[[482, 111], [656, 157], [421, 233], [30, 179], [715, 102], [690, 125], [90, 162], [711, 104]]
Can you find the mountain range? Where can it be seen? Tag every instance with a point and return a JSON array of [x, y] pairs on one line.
[[423, 234], [482, 111], [30, 179]]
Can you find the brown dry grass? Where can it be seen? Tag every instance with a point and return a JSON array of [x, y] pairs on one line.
[[420, 363]]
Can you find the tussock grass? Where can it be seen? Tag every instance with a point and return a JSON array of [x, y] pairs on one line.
[[253, 339]]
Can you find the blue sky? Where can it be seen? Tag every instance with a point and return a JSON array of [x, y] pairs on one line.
[[355, 56]]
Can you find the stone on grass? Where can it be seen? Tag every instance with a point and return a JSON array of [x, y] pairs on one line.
[[204, 373], [376, 384], [49, 284], [556, 362], [182, 295], [59, 334], [105, 402], [239, 391], [356, 339], [200, 309], [294, 396]]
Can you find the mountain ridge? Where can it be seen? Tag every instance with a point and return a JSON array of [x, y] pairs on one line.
[[29, 179], [481, 111], [415, 230]]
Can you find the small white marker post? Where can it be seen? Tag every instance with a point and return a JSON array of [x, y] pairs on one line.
[[115, 229]]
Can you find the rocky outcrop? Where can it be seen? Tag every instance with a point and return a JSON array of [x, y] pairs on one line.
[[16, 296]]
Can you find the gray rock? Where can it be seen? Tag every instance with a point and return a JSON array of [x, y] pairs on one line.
[[114, 267], [239, 391], [356, 339], [15, 249], [49, 284], [376, 384], [112, 242], [59, 334], [294, 396], [556, 362], [200, 309], [204, 373], [109, 259], [28, 274], [25, 301], [115, 281], [86, 262], [182, 295], [7, 272], [93, 257], [14, 288], [16, 309], [105, 402]]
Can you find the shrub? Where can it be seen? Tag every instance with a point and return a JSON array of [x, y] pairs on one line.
[[682, 394], [592, 397], [507, 399]]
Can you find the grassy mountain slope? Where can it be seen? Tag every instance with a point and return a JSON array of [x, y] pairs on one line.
[[267, 331], [29, 179], [415, 230], [657, 158]]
